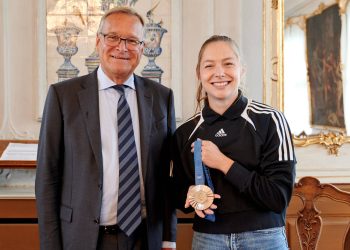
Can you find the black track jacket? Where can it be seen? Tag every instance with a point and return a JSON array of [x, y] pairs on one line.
[[257, 189]]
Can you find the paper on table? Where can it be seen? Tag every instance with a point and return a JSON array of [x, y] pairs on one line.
[[20, 151]]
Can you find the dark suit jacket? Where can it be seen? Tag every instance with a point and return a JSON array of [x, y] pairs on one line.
[[69, 165]]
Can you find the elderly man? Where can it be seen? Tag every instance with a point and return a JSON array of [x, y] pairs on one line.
[[104, 153]]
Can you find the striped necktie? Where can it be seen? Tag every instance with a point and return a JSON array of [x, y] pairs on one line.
[[129, 194]]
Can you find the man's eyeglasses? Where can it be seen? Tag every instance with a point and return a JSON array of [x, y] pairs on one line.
[[114, 40]]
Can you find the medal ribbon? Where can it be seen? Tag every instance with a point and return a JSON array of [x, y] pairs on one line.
[[202, 174]]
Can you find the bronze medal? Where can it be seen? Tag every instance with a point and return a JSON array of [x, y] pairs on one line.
[[201, 197]]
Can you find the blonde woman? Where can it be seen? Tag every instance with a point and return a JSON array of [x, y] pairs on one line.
[[247, 149]]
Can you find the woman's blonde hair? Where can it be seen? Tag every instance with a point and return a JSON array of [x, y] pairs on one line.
[[201, 96]]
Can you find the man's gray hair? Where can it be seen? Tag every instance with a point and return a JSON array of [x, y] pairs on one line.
[[116, 10]]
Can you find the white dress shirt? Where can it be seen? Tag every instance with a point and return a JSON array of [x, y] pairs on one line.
[[108, 103]]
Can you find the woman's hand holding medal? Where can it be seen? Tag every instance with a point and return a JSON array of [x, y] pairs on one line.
[[212, 157], [201, 198]]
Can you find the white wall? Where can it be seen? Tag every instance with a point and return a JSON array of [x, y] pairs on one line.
[[252, 47], [20, 68], [241, 20], [2, 57], [18, 78], [22, 49]]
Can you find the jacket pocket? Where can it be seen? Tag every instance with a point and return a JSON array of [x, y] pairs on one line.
[[66, 214]]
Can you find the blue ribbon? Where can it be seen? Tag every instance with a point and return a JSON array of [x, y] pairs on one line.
[[202, 174]]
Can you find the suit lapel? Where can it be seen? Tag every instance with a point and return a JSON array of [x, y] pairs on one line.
[[88, 100], [144, 104]]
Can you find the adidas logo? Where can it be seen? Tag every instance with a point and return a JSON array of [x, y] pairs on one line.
[[220, 133]]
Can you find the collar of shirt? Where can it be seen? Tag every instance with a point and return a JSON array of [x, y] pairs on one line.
[[234, 111], [104, 82]]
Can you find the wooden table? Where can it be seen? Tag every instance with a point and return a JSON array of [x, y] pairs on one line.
[[18, 218], [16, 164]]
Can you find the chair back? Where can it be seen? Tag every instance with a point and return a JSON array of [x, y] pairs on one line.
[[309, 221]]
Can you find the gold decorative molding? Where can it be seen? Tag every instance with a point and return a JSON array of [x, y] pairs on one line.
[[274, 72], [332, 141], [274, 4], [298, 20], [301, 20], [322, 6], [273, 53], [342, 5], [320, 9]]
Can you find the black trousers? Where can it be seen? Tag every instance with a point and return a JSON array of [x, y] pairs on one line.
[[112, 238]]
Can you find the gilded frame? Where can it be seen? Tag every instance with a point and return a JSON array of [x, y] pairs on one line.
[[273, 94], [273, 53]]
